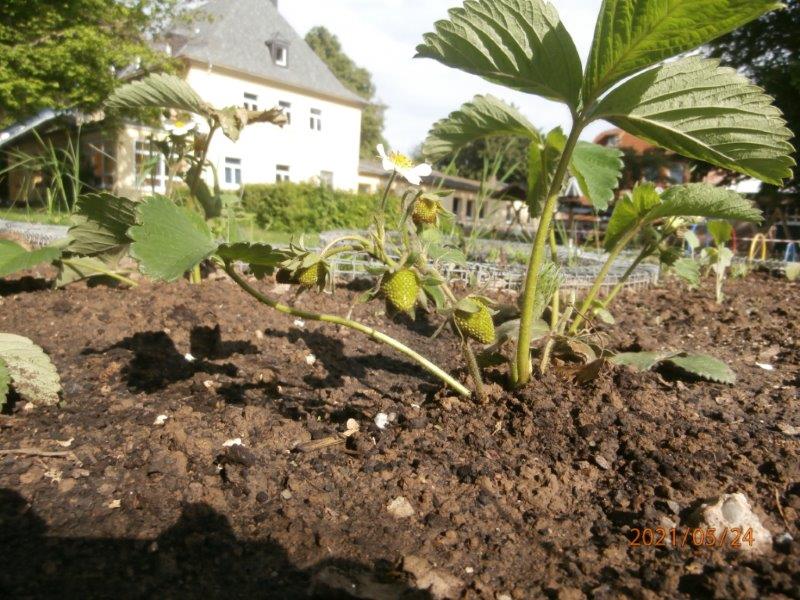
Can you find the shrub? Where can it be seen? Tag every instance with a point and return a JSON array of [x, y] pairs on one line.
[[305, 207]]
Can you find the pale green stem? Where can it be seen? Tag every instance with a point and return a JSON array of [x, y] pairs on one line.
[[600, 279], [195, 275], [335, 320], [555, 310], [646, 251], [523, 358], [474, 370], [106, 272], [347, 238]]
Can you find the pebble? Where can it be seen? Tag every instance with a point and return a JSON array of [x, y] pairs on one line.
[[310, 359], [400, 508], [733, 511], [286, 495], [602, 462]]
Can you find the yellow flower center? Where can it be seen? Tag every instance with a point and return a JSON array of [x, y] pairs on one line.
[[401, 161]]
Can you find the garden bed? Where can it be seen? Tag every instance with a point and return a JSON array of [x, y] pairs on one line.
[[532, 495]]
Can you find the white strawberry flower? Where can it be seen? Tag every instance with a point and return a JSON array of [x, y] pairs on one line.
[[403, 166], [179, 127]]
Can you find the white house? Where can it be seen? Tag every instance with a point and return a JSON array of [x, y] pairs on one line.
[[237, 53]]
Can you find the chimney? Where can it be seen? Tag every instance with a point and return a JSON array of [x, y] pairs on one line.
[[275, 3]]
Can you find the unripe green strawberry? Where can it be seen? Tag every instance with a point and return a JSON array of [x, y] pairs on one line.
[[401, 289], [425, 211], [478, 325], [311, 276]]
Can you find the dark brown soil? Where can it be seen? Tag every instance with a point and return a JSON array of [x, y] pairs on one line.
[[534, 495]]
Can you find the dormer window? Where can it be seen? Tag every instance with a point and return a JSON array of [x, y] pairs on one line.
[[282, 56], [279, 50]]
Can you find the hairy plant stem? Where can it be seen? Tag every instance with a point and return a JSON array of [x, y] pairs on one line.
[[106, 272], [555, 315], [335, 320], [328, 250], [646, 251], [601, 278], [474, 370], [522, 374]]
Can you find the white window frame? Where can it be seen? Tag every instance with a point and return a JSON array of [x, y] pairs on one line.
[[250, 101], [287, 110], [283, 173], [315, 119], [233, 171], [326, 178], [158, 175]]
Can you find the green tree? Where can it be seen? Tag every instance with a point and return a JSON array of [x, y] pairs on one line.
[[470, 160], [56, 54], [768, 51], [355, 78]]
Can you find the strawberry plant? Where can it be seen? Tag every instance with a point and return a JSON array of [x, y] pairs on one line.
[[689, 105]]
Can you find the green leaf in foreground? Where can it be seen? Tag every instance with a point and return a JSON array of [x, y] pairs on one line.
[[704, 366], [158, 91], [101, 224], [484, 116], [698, 365], [169, 240], [521, 44], [703, 111], [598, 170], [263, 259], [5, 382], [32, 373], [14, 258], [632, 35]]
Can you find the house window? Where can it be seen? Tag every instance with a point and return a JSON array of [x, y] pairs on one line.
[[468, 210], [326, 178], [281, 55], [457, 206], [316, 119], [287, 110], [282, 173], [150, 165], [612, 141], [103, 165], [233, 171], [482, 211], [364, 188], [250, 101]]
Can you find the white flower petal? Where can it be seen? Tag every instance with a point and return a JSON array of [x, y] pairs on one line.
[[423, 170], [410, 176], [382, 152]]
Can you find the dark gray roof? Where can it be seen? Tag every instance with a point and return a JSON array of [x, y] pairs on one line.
[[235, 34]]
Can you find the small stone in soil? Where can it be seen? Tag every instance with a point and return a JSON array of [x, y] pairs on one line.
[[400, 508], [733, 511]]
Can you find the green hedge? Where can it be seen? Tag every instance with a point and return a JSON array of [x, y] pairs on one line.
[[308, 208]]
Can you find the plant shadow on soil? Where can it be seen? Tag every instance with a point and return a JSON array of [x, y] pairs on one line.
[[198, 556], [156, 362]]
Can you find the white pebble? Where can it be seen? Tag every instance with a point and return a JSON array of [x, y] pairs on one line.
[[381, 420], [233, 442], [765, 366], [299, 323], [189, 357], [160, 420], [310, 359]]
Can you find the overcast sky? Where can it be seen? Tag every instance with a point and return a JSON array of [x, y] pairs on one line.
[[382, 35]]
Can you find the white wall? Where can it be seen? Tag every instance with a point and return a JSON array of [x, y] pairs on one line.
[[264, 146]]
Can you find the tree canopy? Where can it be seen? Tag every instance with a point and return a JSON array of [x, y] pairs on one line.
[[768, 51], [56, 54], [355, 78]]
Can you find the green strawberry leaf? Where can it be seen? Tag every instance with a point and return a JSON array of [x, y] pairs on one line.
[[169, 240], [30, 370]]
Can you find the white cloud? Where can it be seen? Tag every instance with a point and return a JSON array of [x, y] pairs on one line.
[[382, 35]]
